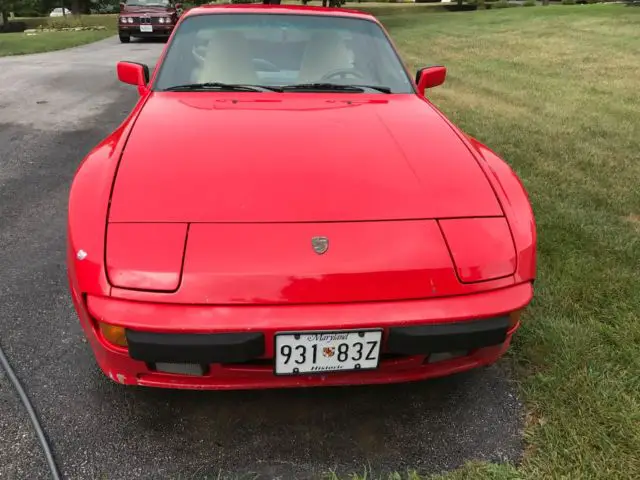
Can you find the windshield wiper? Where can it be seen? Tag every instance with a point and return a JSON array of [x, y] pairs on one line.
[[230, 87], [379, 88], [321, 86]]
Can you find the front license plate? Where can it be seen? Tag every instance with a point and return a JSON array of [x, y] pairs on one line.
[[146, 28], [327, 351]]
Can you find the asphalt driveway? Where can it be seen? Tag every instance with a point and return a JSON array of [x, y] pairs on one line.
[[53, 108]]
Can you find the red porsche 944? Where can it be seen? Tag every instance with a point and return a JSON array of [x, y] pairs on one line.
[[285, 207]]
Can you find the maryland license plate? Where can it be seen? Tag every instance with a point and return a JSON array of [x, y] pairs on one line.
[[326, 351]]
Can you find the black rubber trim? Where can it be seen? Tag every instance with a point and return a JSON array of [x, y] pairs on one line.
[[446, 337], [195, 347]]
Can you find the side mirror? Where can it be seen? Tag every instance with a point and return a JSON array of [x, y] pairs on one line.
[[178, 6], [134, 74], [430, 77]]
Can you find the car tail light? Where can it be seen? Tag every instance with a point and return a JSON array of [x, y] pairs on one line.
[[481, 248], [113, 334]]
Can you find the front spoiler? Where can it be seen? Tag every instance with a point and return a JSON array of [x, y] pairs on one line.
[[177, 320]]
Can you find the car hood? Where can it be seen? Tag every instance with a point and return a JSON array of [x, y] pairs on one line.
[[303, 157]]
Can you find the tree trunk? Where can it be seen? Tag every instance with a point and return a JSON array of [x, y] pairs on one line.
[[75, 7], [5, 17]]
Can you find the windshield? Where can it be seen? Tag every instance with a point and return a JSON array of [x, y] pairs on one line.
[[281, 50]]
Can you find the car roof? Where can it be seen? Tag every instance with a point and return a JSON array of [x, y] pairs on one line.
[[281, 9]]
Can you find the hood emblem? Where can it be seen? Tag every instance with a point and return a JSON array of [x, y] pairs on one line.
[[320, 244]]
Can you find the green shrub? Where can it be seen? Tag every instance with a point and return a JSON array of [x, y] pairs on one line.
[[500, 4], [26, 12], [34, 22], [64, 22], [70, 21], [529, 3], [568, 2], [13, 27]]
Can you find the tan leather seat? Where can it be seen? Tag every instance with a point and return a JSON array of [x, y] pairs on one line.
[[227, 59], [325, 53]]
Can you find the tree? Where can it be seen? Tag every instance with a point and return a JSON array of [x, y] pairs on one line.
[[29, 7], [6, 6]]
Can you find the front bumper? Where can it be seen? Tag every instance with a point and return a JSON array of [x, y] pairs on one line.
[[235, 345], [134, 31]]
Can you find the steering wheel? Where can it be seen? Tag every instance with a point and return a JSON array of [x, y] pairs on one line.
[[342, 73]]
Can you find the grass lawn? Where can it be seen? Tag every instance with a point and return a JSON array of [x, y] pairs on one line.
[[555, 91], [21, 43]]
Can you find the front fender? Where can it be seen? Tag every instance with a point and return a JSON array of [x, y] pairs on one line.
[[88, 209], [516, 206]]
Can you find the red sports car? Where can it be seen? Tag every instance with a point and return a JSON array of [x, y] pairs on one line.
[[284, 207]]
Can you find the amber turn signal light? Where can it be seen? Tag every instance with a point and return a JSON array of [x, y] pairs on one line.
[[113, 334]]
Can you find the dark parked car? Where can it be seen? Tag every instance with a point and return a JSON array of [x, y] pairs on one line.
[[147, 19]]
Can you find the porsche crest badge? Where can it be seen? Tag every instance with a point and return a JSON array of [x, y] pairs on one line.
[[320, 244]]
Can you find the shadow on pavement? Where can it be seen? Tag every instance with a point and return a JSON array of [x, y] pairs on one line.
[[302, 433]]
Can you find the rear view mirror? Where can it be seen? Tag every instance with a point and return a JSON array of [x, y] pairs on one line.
[[430, 77], [134, 74]]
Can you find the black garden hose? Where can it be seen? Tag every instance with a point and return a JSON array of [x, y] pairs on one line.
[[55, 474]]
